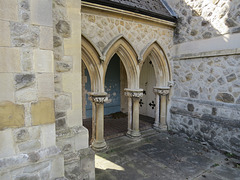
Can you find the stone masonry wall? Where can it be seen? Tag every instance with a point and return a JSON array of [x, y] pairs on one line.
[[94, 27], [72, 137], [27, 122], [204, 19], [205, 104]]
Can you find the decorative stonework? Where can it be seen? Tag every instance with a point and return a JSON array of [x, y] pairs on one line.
[[134, 93], [163, 91], [98, 97]]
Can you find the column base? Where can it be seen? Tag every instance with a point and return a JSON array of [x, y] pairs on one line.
[[160, 128], [134, 135], [99, 145]]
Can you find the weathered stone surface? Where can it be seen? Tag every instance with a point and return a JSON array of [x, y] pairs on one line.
[[43, 60], [214, 111], [63, 28], [60, 115], [26, 95], [34, 157], [63, 66], [230, 23], [7, 87], [45, 85], [5, 33], [11, 115], [62, 102], [225, 97], [46, 38], [201, 67], [10, 60], [190, 107], [48, 138], [38, 117], [24, 35], [28, 177], [9, 10], [27, 60], [29, 146], [25, 5], [41, 12], [236, 30], [193, 93], [60, 2], [24, 80], [21, 135], [189, 76], [207, 35], [7, 146], [57, 41], [231, 77], [36, 168], [211, 79], [221, 81], [238, 100], [60, 123], [57, 168]]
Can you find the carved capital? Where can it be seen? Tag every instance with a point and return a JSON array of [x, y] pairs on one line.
[[98, 97], [133, 93], [162, 91]]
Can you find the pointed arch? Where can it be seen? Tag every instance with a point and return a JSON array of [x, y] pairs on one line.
[[120, 46], [90, 57], [160, 62]]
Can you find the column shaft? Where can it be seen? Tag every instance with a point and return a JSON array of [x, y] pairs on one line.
[[135, 132], [157, 107], [163, 111], [129, 116]]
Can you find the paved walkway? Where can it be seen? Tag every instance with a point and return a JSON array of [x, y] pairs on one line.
[[161, 156], [115, 124]]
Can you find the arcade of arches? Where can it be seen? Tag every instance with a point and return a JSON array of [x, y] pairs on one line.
[[140, 77]]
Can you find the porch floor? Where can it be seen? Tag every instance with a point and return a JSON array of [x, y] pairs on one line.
[[116, 124]]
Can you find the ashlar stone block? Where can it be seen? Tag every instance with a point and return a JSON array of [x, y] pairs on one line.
[[48, 135], [6, 143], [41, 12], [6, 87], [5, 34], [43, 112], [27, 94], [45, 85], [11, 115], [9, 10], [43, 60], [46, 38], [10, 60]]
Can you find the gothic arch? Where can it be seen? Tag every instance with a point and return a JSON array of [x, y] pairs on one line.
[[128, 56], [160, 63], [90, 57]]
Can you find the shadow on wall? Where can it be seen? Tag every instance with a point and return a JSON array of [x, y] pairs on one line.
[[204, 19]]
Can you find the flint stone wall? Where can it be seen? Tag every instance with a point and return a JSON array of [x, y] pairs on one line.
[[206, 101], [204, 19]]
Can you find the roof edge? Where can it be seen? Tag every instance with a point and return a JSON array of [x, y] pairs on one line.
[[132, 9]]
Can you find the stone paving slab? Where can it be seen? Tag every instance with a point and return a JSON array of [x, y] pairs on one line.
[[164, 156]]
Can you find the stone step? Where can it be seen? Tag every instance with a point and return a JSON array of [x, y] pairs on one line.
[[127, 141]]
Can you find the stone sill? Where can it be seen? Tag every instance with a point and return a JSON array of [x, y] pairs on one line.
[[217, 53]]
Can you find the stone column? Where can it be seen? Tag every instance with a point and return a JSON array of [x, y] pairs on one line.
[[98, 141], [160, 121], [133, 111]]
